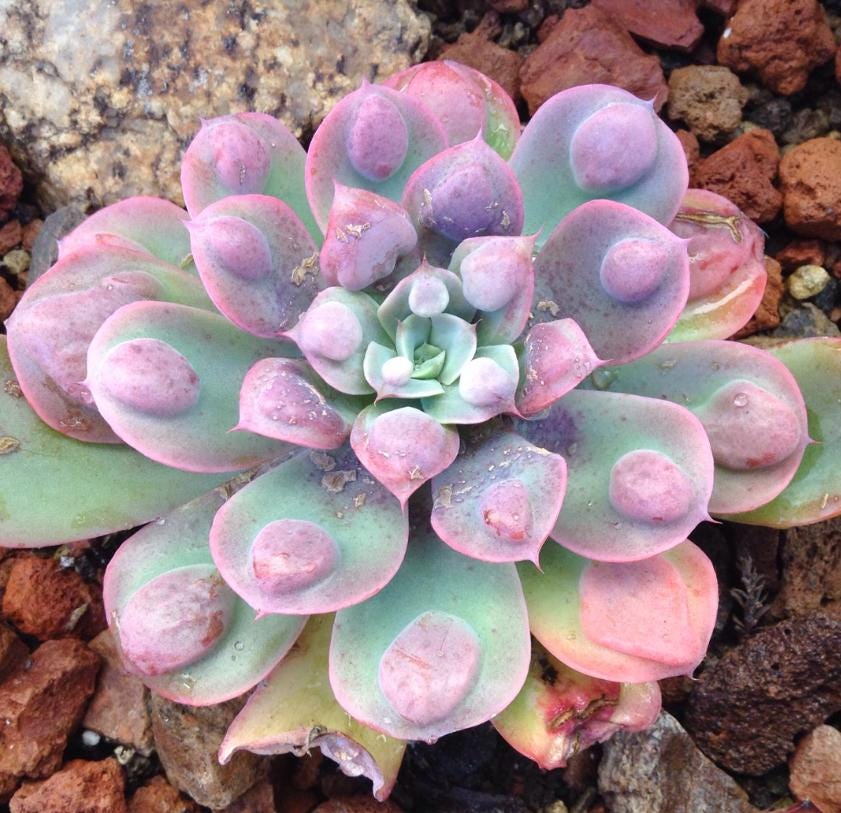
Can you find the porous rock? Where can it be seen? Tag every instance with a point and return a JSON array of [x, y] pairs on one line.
[[158, 796], [708, 98], [12, 651], [187, 739], [743, 172], [41, 703], [801, 252], [259, 798], [780, 40], [11, 180], [816, 769], [110, 119], [811, 184], [10, 236], [80, 786], [746, 710], [767, 315], [661, 771], [588, 46], [672, 23]]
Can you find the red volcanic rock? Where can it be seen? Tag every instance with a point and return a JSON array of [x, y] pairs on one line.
[[80, 787], [11, 183], [672, 23], [811, 184], [816, 769]]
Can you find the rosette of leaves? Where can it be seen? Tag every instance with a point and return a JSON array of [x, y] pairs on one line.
[[394, 406]]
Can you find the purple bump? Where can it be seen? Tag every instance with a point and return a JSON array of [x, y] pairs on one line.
[[750, 427], [240, 159], [633, 269], [614, 147], [331, 331], [291, 554], [397, 371], [650, 487], [150, 376], [506, 510], [465, 203], [377, 139], [428, 296], [493, 274], [485, 383], [232, 245], [430, 667], [175, 619]]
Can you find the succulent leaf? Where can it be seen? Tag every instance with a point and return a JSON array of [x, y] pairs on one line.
[[483, 105], [560, 712], [619, 274], [814, 493], [500, 499], [726, 270], [294, 710], [628, 622], [289, 542], [749, 404], [246, 154], [166, 378], [204, 652], [596, 141], [640, 473], [442, 647]]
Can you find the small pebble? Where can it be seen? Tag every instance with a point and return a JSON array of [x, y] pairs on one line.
[[807, 281], [17, 261], [91, 738]]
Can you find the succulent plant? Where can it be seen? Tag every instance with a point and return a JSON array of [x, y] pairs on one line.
[[393, 406]]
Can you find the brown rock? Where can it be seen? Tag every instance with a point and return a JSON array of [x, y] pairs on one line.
[[508, 6], [811, 183], [11, 183], [48, 601], [742, 171], [258, 798], [586, 46], [8, 299], [725, 7], [781, 40], [801, 252], [79, 787], [708, 98], [13, 651], [158, 796], [746, 710], [357, 804], [672, 23], [41, 703], [118, 709], [298, 801], [661, 771], [767, 315], [30, 231], [692, 148], [816, 769], [476, 50], [10, 236], [187, 739]]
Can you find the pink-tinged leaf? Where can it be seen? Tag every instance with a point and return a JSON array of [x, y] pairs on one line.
[[366, 237], [814, 494], [443, 647], [619, 274], [464, 191], [374, 139], [166, 378], [665, 608], [640, 473], [499, 500], [402, 447], [152, 224], [483, 105], [245, 154], [177, 623], [726, 269], [749, 404], [294, 710], [52, 326], [560, 712], [283, 399], [257, 262], [596, 141], [556, 358], [497, 275], [312, 535]]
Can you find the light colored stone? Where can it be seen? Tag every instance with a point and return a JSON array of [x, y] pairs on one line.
[[101, 97], [807, 281], [709, 98], [17, 261], [816, 769]]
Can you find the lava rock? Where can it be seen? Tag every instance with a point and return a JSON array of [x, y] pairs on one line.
[[691, 148], [258, 798], [10, 236], [661, 771], [587, 46], [811, 184], [111, 119], [672, 23], [80, 787], [746, 709], [708, 98], [158, 796], [767, 315], [13, 651], [801, 252], [743, 171], [780, 40], [11, 180], [816, 769]]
